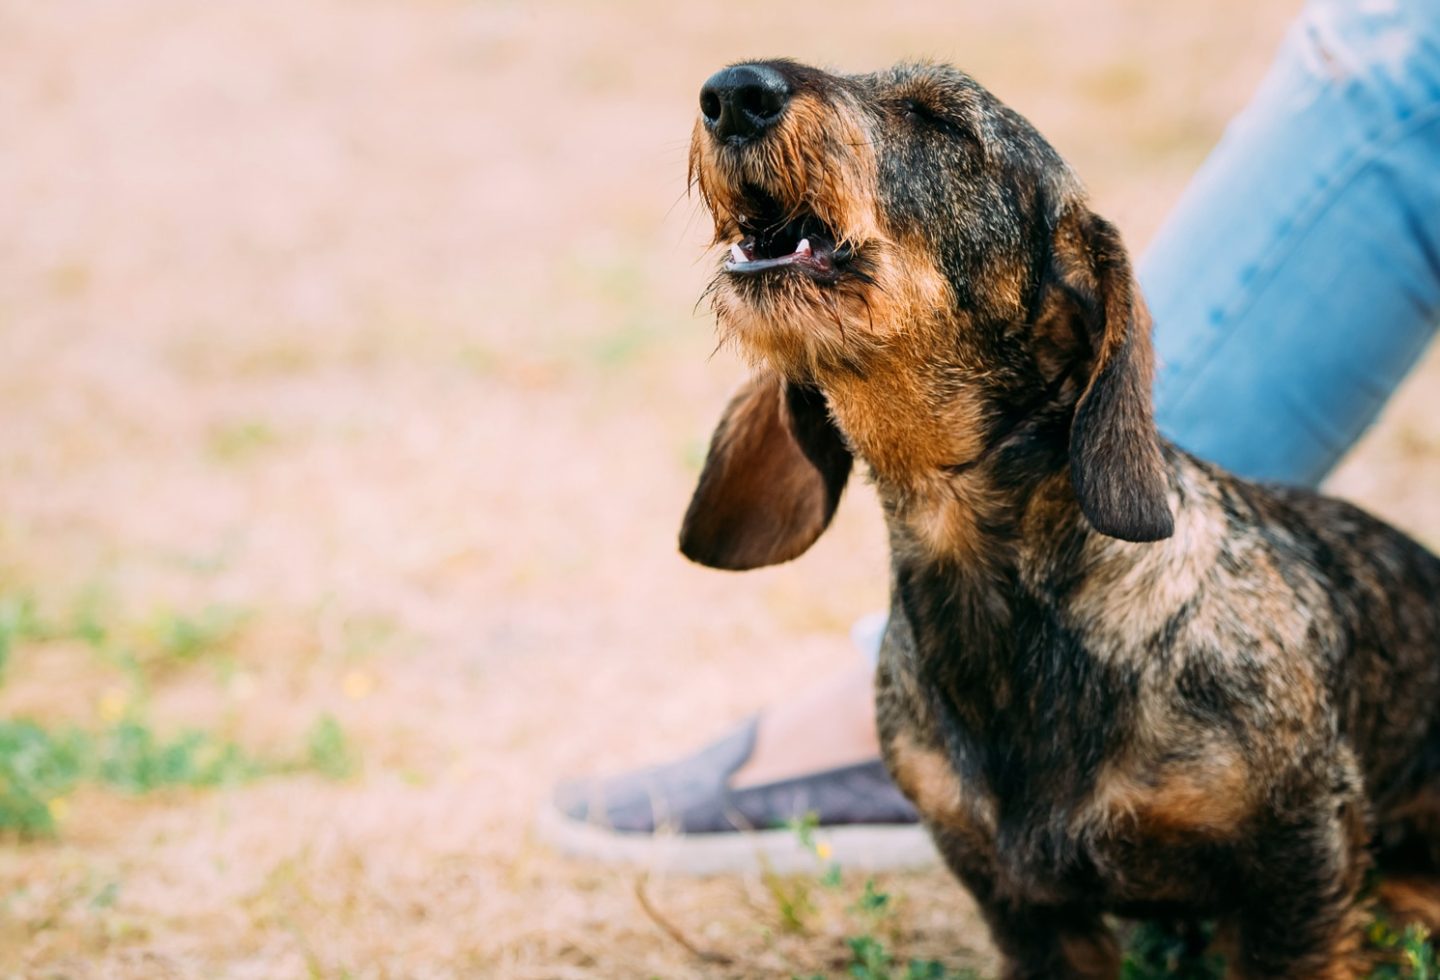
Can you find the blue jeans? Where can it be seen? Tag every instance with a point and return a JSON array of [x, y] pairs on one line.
[[1298, 278]]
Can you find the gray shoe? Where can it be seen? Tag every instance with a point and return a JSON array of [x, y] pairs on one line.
[[684, 816]]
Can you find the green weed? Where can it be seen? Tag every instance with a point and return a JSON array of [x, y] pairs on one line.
[[1153, 951], [328, 750], [24, 620], [130, 757], [238, 441], [36, 769], [92, 617], [1407, 954], [19, 622], [794, 903], [871, 960], [870, 914], [170, 637], [1157, 953], [40, 767], [479, 358]]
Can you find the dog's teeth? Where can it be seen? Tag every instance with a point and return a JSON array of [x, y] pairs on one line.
[[803, 248], [737, 253]]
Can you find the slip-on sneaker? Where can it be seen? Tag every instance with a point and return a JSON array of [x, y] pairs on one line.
[[684, 816]]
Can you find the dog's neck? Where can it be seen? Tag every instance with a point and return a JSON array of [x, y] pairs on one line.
[[907, 433], [957, 475]]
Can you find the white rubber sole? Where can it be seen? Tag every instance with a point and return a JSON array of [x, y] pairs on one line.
[[896, 847]]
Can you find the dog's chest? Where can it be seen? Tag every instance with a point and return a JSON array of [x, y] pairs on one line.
[[1138, 836], [1039, 756], [1124, 839]]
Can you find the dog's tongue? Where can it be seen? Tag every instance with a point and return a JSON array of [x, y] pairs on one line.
[[740, 260]]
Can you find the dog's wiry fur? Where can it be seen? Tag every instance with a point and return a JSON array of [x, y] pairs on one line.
[[1116, 679]]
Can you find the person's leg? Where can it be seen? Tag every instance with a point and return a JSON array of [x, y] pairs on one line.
[[1294, 285], [1298, 278], [825, 726]]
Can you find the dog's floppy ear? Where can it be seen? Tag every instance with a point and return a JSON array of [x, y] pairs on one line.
[[1115, 461], [771, 481]]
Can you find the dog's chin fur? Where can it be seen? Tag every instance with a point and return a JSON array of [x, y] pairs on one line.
[[807, 330]]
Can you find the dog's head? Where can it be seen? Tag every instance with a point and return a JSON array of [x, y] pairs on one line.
[[906, 232]]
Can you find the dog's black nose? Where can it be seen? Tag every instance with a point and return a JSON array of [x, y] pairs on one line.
[[743, 101]]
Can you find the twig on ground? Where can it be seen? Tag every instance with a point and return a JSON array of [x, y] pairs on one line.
[[673, 931]]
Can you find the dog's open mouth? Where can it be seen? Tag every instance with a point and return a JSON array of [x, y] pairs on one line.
[[774, 241]]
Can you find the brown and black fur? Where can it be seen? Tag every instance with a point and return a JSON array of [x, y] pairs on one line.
[[1117, 680]]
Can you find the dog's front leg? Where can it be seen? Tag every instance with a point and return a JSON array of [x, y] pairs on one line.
[[1038, 942], [1065, 943], [1298, 916]]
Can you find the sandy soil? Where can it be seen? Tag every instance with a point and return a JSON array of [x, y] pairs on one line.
[[373, 321]]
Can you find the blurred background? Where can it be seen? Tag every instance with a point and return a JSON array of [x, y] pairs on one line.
[[353, 389]]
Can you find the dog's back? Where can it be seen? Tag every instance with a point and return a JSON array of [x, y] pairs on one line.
[[1378, 618]]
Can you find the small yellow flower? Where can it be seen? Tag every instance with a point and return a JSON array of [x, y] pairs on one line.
[[59, 808], [823, 850], [357, 685], [113, 703]]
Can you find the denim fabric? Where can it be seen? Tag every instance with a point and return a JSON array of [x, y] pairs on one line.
[[1298, 278]]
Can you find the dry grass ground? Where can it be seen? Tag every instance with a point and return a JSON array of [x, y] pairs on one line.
[[364, 328]]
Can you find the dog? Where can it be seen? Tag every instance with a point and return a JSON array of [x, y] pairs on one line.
[[1117, 681]]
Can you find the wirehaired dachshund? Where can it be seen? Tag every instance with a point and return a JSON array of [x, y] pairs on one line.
[[1117, 681]]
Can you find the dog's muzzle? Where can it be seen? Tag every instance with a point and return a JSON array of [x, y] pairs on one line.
[[741, 102]]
